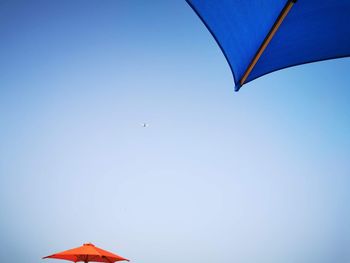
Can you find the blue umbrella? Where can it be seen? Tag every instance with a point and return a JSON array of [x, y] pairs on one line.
[[258, 37]]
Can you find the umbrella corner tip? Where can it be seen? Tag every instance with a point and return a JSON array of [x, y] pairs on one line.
[[237, 87]]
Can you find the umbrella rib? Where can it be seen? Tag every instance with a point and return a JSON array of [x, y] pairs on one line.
[[107, 259], [266, 41]]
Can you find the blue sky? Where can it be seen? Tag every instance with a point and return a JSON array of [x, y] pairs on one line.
[[217, 176]]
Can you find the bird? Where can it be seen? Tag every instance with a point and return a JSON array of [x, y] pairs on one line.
[[144, 125]]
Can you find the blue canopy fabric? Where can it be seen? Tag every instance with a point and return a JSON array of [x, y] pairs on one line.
[[313, 30]]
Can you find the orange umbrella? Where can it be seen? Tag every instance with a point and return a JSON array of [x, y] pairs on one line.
[[87, 253]]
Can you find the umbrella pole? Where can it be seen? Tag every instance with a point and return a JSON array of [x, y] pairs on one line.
[[267, 40]]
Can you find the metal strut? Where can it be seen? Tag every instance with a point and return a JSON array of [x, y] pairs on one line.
[[266, 41]]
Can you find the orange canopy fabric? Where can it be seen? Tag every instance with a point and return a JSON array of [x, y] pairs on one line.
[[88, 253]]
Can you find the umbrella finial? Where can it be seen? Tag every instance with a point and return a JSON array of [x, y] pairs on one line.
[[88, 244]]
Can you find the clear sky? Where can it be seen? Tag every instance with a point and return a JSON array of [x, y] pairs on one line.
[[259, 176]]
